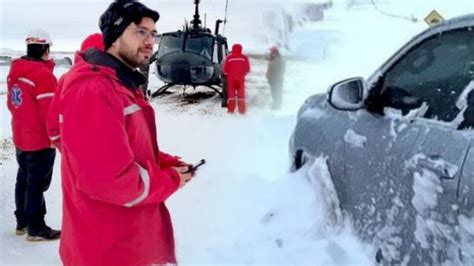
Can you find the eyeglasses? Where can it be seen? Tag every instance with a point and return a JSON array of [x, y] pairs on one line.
[[144, 33]]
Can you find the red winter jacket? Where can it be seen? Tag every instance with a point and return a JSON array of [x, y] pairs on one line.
[[91, 41], [31, 84], [53, 117], [114, 178], [236, 65]]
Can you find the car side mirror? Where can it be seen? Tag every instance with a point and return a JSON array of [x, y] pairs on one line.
[[348, 94]]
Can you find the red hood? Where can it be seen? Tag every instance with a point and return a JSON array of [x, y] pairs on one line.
[[92, 41], [22, 67], [237, 49], [78, 57]]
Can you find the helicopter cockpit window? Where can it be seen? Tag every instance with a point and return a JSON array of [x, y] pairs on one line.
[[169, 44], [202, 45]]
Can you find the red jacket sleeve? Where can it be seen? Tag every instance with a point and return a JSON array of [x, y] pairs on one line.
[[44, 89], [52, 122], [96, 145], [167, 160]]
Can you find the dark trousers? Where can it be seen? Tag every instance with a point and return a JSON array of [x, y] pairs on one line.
[[35, 169]]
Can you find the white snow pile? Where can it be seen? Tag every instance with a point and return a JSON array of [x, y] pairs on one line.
[[434, 163], [466, 232], [313, 113], [427, 186], [434, 231], [243, 208], [462, 104], [330, 213], [414, 113], [354, 139], [321, 233]]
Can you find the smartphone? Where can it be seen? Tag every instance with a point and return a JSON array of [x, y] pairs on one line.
[[195, 166]]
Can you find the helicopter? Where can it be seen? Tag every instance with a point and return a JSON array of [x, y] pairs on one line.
[[191, 57]]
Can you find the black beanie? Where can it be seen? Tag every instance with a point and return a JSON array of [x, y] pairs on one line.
[[119, 15]]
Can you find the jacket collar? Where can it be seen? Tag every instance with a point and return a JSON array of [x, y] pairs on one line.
[[32, 59], [132, 79], [49, 63]]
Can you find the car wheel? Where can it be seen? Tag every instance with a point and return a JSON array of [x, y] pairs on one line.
[[299, 160]]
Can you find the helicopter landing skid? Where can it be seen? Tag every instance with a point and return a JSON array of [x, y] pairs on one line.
[[216, 90], [161, 90], [167, 86]]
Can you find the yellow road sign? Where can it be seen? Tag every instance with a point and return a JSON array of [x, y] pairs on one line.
[[433, 18]]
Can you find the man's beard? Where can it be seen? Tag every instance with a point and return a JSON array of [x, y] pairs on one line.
[[131, 57]]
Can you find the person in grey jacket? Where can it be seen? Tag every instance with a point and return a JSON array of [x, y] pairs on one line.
[[275, 73]]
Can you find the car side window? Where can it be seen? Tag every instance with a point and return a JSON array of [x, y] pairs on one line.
[[435, 72]]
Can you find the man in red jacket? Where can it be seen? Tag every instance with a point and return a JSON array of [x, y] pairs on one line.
[[236, 66], [31, 85], [115, 179], [53, 119]]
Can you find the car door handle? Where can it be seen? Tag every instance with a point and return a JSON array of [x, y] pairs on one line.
[[439, 166]]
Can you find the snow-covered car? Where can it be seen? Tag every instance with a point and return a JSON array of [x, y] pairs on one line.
[[399, 148]]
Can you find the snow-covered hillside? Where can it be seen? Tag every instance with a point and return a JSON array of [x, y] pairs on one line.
[[243, 207]]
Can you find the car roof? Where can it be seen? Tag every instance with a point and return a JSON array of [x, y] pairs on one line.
[[461, 21], [465, 21]]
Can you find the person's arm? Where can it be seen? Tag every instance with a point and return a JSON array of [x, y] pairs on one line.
[[96, 143], [268, 74], [167, 160], [52, 121], [45, 86]]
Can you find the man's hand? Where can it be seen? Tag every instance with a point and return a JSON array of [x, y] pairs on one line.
[[184, 177]]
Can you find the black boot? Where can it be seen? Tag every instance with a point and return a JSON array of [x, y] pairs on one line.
[[46, 233], [20, 229]]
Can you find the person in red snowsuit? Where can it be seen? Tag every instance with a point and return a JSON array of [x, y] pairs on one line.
[[31, 85], [115, 178], [53, 119], [236, 66]]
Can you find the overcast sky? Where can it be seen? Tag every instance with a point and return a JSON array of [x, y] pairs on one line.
[[69, 21]]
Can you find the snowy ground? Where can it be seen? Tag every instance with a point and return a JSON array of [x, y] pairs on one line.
[[244, 207]]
